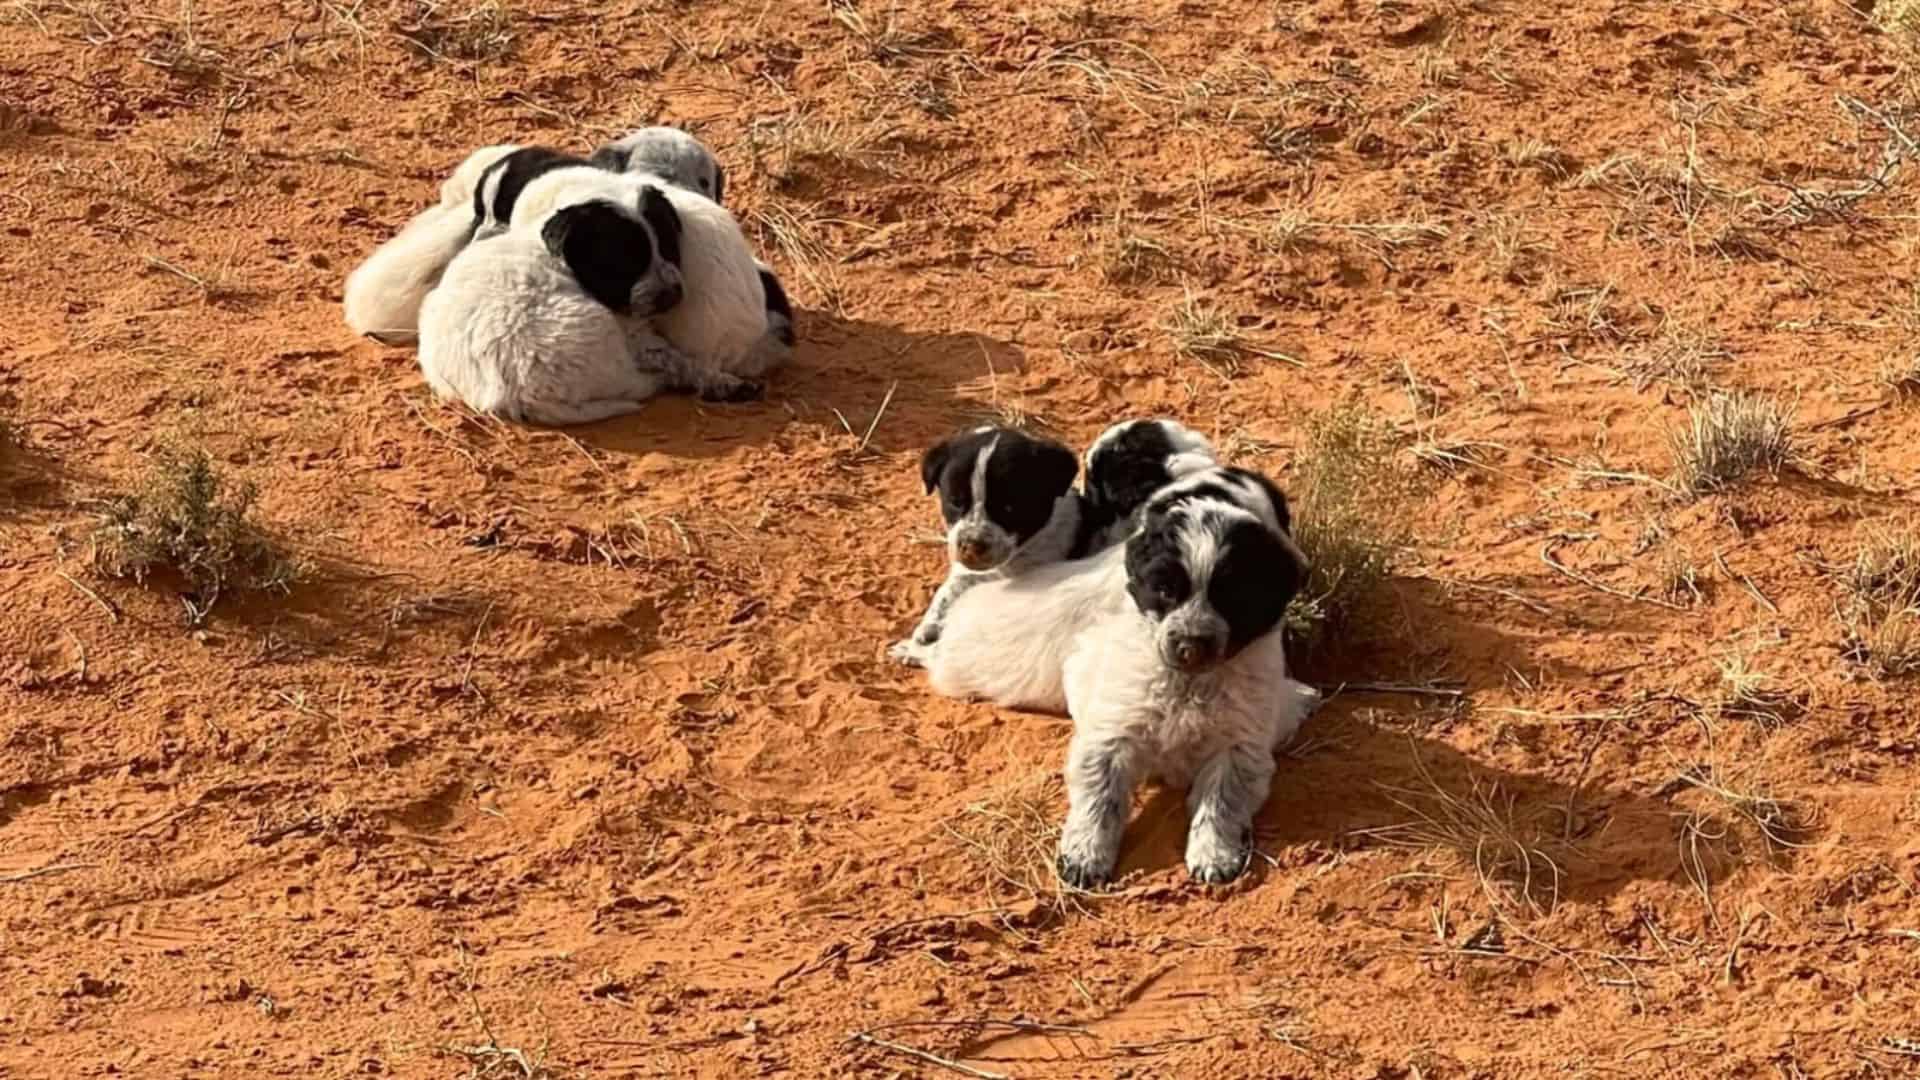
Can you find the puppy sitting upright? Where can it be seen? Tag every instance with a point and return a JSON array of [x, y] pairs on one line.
[[1188, 682], [1009, 504]]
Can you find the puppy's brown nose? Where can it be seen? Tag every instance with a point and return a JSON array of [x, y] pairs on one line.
[[972, 554]]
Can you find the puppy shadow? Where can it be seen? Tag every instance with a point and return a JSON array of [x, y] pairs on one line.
[[847, 377]]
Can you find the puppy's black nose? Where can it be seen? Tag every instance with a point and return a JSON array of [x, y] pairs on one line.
[[668, 298], [1192, 653]]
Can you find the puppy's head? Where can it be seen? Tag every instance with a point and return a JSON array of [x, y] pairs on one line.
[[1133, 459], [1213, 566], [501, 185], [458, 188], [614, 256], [669, 153], [997, 490]]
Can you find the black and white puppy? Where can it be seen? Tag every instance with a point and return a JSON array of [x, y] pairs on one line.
[[1187, 681], [680, 159], [721, 331], [1010, 506], [546, 324]]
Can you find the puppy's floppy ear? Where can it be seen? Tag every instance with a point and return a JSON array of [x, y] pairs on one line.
[[612, 158], [1057, 465], [656, 209], [1279, 500], [934, 461], [605, 250], [719, 184]]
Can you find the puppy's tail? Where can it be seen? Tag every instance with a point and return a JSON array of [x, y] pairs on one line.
[[382, 296]]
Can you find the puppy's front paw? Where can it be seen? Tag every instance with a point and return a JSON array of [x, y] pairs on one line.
[[1081, 874], [909, 652], [734, 392], [1214, 860]]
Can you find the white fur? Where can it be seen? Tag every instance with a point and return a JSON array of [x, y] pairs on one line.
[[721, 326], [1006, 640], [1136, 719], [511, 333], [383, 295]]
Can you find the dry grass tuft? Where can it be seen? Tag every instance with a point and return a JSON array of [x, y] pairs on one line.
[[1681, 354], [1130, 254], [1515, 863], [186, 518], [1353, 519], [484, 31], [1013, 836], [1211, 337], [1737, 822], [1879, 607], [1728, 437], [1754, 694]]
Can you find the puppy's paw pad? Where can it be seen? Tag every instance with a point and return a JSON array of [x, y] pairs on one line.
[[744, 390], [1081, 874]]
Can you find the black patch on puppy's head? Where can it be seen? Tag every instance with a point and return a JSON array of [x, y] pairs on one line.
[[1253, 581], [656, 209], [1228, 484], [1023, 476], [607, 251], [1157, 576], [1129, 468], [498, 191], [719, 184]]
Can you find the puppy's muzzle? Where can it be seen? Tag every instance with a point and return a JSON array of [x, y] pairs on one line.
[[974, 555], [1192, 653], [667, 297]]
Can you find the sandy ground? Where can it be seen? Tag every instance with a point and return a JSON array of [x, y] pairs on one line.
[[578, 755]]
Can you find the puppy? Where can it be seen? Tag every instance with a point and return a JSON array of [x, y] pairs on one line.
[[1187, 682], [670, 154], [720, 331], [1008, 500], [1009, 505], [545, 323], [383, 295], [680, 159]]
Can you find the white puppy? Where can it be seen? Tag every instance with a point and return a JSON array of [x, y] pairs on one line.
[[383, 295], [721, 329], [545, 324], [1187, 683]]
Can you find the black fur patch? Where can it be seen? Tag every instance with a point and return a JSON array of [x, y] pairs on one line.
[[612, 158], [1209, 487], [658, 212], [779, 309], [720, 187], [1157, 577], [515, 172], [606, 250], [1252, 583], [1025, 476], [1129, 469]]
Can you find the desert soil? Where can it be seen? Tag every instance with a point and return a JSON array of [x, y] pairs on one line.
[[578, 755]]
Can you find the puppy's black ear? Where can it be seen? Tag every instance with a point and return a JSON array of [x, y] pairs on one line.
[[1057, 466], [933, 462], [606, 250], [658, 212], [719, 184], [488, 184], [611, 158]]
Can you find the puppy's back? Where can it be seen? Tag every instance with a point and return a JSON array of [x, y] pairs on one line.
[[1007, 640], [382, 296]]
